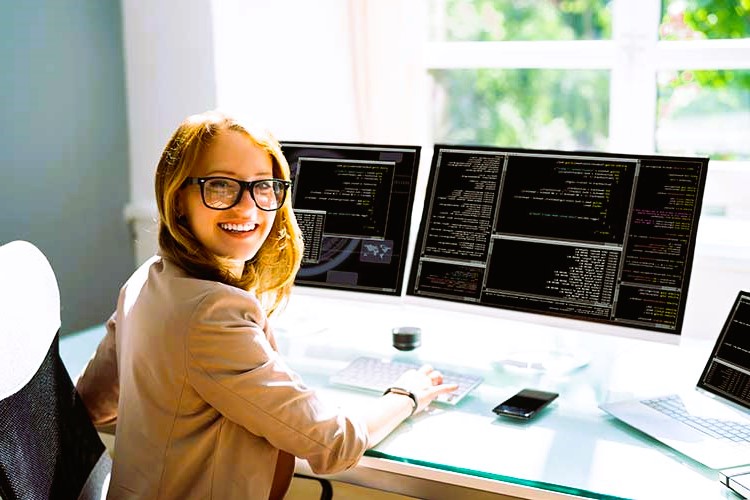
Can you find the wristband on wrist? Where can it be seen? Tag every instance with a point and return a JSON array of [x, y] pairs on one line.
[[404, 392]]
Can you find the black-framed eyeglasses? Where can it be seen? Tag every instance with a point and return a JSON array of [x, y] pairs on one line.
[[222, 193]]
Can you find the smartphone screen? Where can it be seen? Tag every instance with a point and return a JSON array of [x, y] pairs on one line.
[[525, 404]]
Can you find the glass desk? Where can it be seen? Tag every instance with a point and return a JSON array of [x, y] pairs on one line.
[[571, 449]]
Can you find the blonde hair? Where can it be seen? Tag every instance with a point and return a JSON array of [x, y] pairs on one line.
[[270, 274]]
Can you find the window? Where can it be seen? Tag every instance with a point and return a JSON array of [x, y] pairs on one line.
[[631, 76]]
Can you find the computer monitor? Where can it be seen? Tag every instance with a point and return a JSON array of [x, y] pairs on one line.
[[595, 237], [353, 203]]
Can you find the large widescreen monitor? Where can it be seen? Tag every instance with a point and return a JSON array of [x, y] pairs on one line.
[[353, 203], [598, 237]]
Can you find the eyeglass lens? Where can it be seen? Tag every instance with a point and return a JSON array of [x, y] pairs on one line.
[[225, 193]]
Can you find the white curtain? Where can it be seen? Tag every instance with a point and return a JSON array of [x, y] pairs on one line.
[[390, 86]]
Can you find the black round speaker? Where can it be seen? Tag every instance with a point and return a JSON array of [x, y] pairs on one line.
[[407, 338]]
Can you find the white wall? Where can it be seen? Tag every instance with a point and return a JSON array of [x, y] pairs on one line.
[[169, 74]]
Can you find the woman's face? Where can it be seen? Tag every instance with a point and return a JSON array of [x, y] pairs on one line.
[[235, 234]]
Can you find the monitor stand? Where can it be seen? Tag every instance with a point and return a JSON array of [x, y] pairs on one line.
[[551, 361]]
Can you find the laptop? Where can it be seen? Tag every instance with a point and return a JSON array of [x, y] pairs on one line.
[[711, 424]]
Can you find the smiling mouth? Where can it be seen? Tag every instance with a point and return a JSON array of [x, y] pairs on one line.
[[238, 228]]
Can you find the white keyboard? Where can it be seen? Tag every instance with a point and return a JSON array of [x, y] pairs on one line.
[[376, 374]]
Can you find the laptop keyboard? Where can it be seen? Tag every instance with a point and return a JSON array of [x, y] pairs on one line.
[[376, 374], [717, 428]]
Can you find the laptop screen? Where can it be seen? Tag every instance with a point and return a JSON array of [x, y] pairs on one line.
[[727, 373]]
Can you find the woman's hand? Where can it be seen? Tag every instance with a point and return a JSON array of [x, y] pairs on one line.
[[426, 384]]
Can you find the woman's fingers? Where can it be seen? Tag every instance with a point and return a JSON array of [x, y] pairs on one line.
[[425, 369], [435, 376]]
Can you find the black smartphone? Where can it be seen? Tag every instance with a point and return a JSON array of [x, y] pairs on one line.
[[525, 403]]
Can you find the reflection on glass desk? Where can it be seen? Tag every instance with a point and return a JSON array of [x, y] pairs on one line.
[[571, 448]]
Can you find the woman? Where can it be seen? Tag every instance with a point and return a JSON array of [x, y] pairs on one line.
[[204, 405]]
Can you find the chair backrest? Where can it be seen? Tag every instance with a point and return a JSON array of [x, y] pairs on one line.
[[48, 446]]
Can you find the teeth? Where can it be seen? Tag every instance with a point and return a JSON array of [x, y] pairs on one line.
[[238, 227]]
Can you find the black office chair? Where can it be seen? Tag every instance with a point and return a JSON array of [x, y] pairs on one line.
[[49, 448]]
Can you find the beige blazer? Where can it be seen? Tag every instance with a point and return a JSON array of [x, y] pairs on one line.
[[202, 400]]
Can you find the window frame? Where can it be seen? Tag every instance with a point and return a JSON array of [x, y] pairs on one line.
[[633, 56]]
